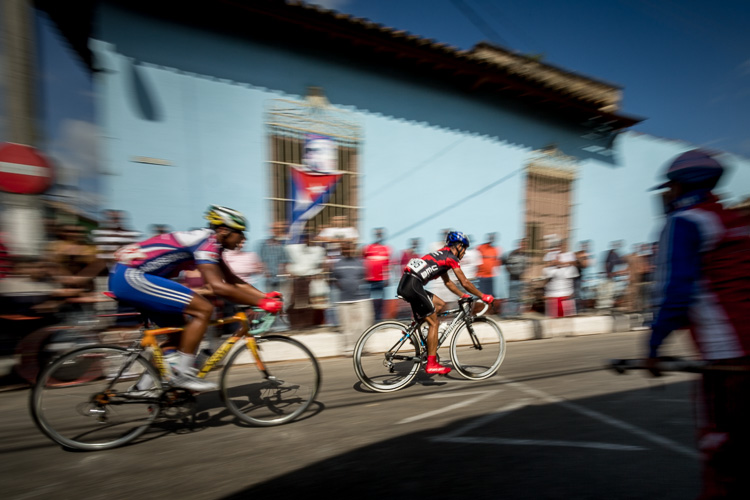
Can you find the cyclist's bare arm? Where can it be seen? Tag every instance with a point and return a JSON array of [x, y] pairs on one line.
[[451, 286], [468, 285], [224, 285]]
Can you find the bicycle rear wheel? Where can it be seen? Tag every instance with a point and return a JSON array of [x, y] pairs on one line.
[[281, 393], [478, 350], [97, 413], [385, 359]]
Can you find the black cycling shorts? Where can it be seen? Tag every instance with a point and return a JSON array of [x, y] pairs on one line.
[[411, 289]]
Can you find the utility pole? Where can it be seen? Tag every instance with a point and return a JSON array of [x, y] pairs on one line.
[[21, 214]]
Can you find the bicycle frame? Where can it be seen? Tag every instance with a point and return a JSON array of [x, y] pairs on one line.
[[461, 316], [149, 341]]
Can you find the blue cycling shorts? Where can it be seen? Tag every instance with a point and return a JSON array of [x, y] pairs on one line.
[[147, 291]]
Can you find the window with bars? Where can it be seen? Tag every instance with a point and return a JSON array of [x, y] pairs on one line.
[[289, 124]]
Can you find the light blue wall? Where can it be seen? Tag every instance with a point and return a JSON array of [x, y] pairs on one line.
[[431, 158]]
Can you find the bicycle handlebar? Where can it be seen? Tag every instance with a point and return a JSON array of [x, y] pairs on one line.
[[471, 301]]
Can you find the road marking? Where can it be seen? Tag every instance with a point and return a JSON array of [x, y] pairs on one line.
[[478, 422], [642, 433], [480, 396], [457, 436], [540, 442], [453, 394]]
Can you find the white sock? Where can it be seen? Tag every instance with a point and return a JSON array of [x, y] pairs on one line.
[[173, 360], [187, 362]]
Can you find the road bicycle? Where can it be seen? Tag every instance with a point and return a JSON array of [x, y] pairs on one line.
[[389, 354], [271, 382]]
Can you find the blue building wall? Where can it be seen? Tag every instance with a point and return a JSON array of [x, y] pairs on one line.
[[431, 158]]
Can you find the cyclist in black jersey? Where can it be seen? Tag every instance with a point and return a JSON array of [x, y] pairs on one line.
[[427, 305]]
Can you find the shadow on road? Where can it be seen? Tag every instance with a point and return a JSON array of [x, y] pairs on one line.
[[610, 446]]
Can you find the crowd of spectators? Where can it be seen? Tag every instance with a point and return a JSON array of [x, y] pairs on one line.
[[337, 278]]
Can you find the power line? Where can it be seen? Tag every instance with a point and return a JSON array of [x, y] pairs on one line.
[[456, 203], [384, 188], [475, 19]]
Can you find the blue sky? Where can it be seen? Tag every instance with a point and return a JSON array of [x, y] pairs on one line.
[[684, 65]]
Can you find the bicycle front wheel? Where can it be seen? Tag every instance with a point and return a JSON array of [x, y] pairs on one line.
[[95, 413], [385, 358], [274, 391], [478, 349]]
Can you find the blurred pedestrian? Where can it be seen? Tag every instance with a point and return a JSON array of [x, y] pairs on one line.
[[306, 265], [516, 262], [703, 283], [410, 253], [108, 237], [354, 306], [157, 229], [332, 238], [583, 264], [377, 257], [612, 263], [648, 251], [636, 267], [470, 264], [558, 290], [490, 262], [246, 265]]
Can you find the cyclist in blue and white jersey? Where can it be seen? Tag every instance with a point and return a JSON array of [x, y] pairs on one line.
[[142, 277]]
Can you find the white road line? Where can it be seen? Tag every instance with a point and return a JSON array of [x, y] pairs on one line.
[[642, 433], [453, 394], [482, 395], [505, 410], [539, 442]]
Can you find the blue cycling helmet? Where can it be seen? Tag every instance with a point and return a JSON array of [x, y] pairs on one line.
[[457, 237]]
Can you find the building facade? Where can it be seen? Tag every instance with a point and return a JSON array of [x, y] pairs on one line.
[[219, 103]]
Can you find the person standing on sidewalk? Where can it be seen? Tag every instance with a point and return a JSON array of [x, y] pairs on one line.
[[275, 260], [377, 257], [515, 263], [354, 306], [490, 262], [583, 263], [703, 283]]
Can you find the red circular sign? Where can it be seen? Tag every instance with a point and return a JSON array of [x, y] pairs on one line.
[[23, 170]]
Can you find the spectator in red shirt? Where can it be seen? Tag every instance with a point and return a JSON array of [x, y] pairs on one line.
[[410, 253], [490, 261], [377, 257]]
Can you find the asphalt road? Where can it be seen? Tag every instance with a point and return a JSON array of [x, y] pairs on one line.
[[552, 424]]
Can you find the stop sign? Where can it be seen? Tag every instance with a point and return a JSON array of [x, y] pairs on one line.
[[23, 170]]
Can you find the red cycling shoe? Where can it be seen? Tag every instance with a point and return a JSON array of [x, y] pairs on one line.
[[435, 368]]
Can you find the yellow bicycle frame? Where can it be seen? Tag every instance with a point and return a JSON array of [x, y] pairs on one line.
[[149, 340]]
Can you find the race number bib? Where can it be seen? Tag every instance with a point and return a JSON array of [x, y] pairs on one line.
[[416, 265]]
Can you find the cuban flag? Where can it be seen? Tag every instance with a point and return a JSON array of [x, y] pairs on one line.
[[312, 185]]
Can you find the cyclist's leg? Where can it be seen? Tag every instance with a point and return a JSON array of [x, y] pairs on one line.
[[165, 296], [200, 310], [424, 304]]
